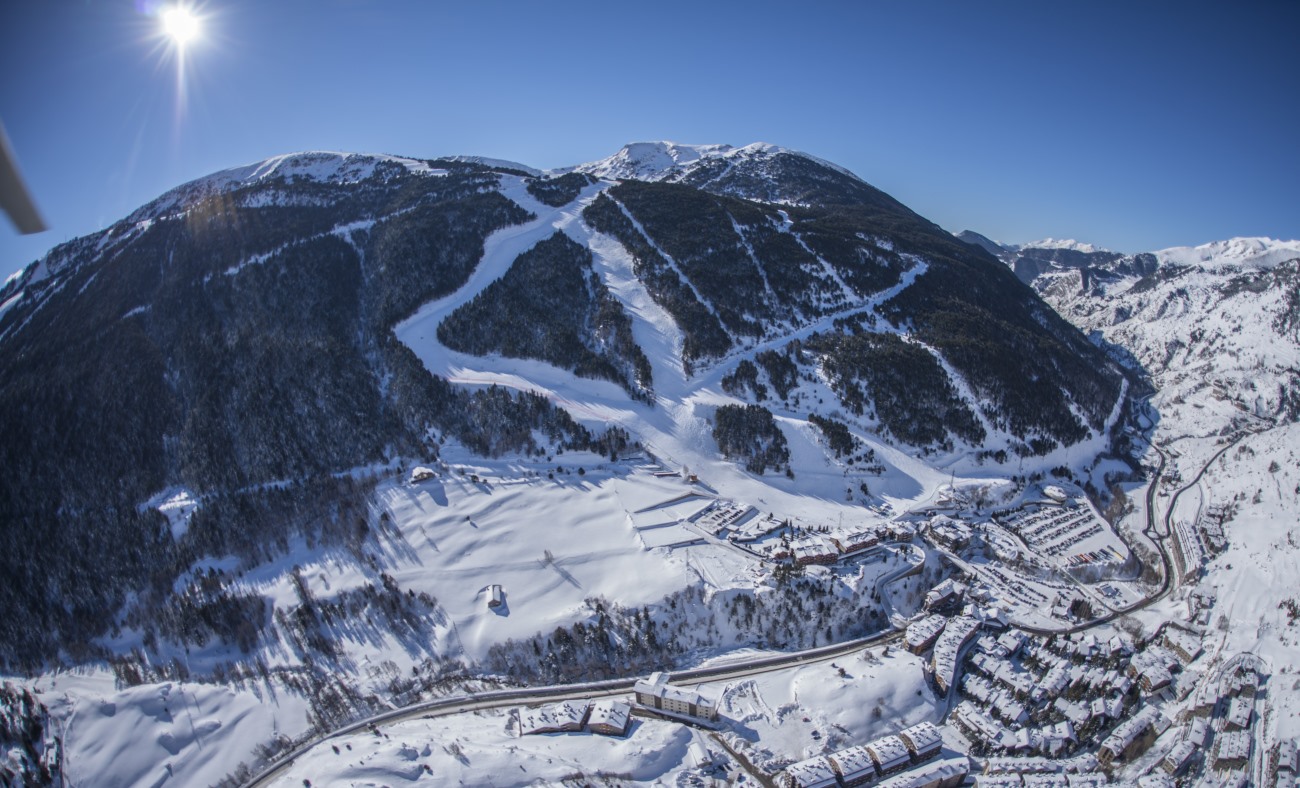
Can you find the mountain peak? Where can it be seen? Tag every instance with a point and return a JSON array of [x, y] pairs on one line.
[[650, 160]]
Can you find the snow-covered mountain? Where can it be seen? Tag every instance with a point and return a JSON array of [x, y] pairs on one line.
[[1221, 318], [211, 413]]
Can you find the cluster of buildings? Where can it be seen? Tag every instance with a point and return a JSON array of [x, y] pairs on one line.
[[1228, 705], [613, 717], [609, 718], [946, 659], [827, 549], [952, 534], [1057, 694], [867, 764]]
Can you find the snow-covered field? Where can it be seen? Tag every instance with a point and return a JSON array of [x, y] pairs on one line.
[[773, 720], [175, 733]]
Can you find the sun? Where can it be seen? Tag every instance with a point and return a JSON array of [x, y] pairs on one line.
[[180, 25]]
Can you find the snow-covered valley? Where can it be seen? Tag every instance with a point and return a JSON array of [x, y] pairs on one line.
[[1030, 557]]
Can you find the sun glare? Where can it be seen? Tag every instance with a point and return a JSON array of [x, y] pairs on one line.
[[180, 25]]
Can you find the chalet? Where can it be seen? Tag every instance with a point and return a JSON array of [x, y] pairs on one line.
[[1150, 675], [945, 596], [977, 724], [947, 650], [1239, 713], [496, 597], [1197, 731], [1288, 762], [610, 718], [1177, 759], [1012, 641], [898, 531], [1016, 741], [1020, 682], [1010, 711], [890, 755], [656, 693], [421, 474], [815, 772], [1184, 683], [1244, 682], [1108, 708], [858, 540], [813, 550], [1076, 712], [923, 741], [947, 532], [1185, 645], [979, 688], [1053, 739], [921, 634], [1233, 751], [566, 717], [855, 766], [1130, 738], [1053, 682]]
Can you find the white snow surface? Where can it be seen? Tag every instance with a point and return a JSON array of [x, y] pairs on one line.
[[1062, 243], [178, 505], [490, 162], [175, 733], [654, 161], [1242, 253], [320, 166]]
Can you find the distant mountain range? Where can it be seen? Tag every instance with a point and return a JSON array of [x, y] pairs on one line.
[[1223, 315]]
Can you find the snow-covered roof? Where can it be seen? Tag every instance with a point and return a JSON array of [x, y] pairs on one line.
[[1239, 712], [569, 714], [923, 737], [1234, 745], [854, 763], [925, 629], [657, 686], [935, 773], [1127, 731], [611, 713], [889, 752], [812, 773]]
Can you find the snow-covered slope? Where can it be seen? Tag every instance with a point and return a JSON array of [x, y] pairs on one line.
[[1234, 253], [260, 357], [674, 162], [1217, 327], [651, 160]]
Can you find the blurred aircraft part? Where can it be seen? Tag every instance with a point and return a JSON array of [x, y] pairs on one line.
[[14, 197]]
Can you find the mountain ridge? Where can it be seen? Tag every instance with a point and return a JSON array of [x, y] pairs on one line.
[[254, 328]]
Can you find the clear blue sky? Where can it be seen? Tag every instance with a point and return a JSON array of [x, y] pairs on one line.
[[1130, 125]]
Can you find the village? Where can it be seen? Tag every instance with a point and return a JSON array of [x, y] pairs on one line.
[[1014, 614]]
